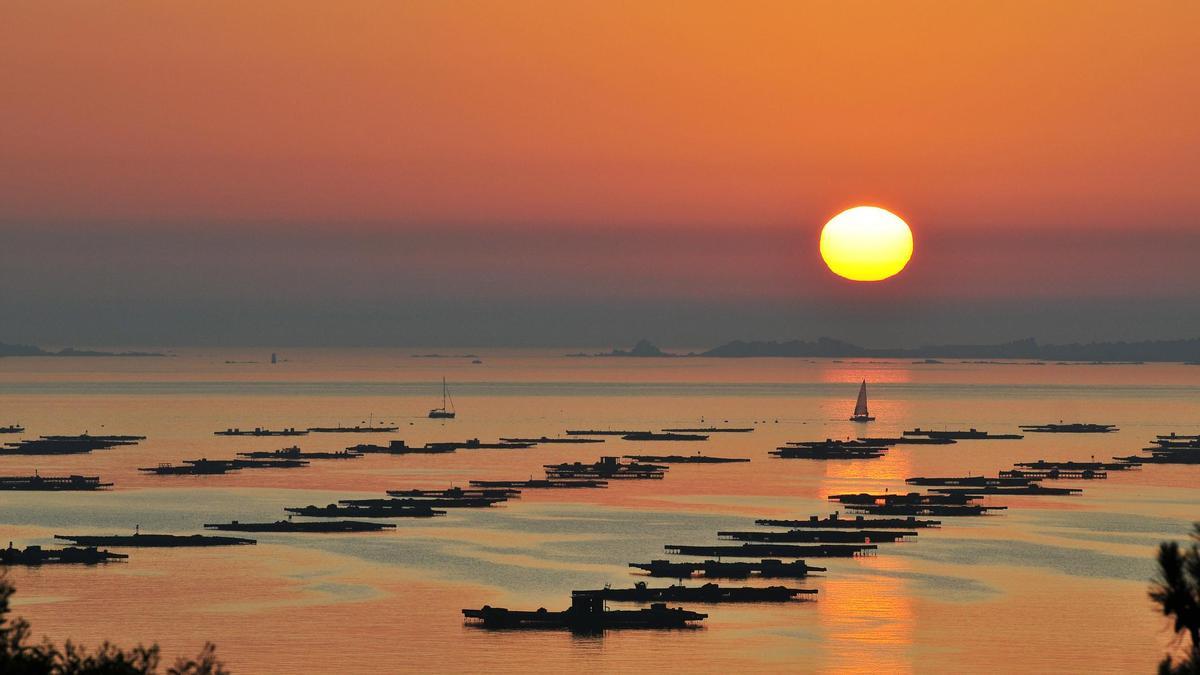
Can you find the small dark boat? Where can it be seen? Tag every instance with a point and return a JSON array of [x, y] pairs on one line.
[[476, 444], [1057, 474], [1173, 449], [716, 569], [194, 467], [402, 448], [406, 509], [685, 459], [399, 447], [587, 614], [1161, 444], [819, 536], [446, 412], [60, 446], [541, 484], [907, 440], [602, 432], [260, 463], [12, 429], [970, 481], [968, 435], [1161, 458], [546, 439], [298, 526], [925, 509], [114, 439], [457, 493], [826, 452], [41, 483], [774, 550], [707, 594], [835, 521], [860, 406], [36, 555], [140, 540], [829, 443], [259, 431], [1043, 465], [1031, 489], [901, 498], [464, 502], [1073, 428], [606, 468], [294, 452], [711, 430], [664, 436], [351, 430]]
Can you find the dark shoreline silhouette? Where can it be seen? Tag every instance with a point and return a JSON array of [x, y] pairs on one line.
[[1095, 353], [31, 350], [1107, 353]]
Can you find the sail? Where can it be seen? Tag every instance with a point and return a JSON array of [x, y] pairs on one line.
[[860, 408], [446, 412]]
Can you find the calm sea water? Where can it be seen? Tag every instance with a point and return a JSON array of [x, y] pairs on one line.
[[1052, 584]]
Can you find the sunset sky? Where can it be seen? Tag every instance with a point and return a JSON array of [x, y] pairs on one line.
[[557, 173]]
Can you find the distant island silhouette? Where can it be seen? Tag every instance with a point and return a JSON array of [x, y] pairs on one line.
[[30, 350], [642, 348], [1186, 351], [1029, 350]]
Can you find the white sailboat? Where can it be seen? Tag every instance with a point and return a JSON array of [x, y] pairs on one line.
[[860, 408], [445, 412]]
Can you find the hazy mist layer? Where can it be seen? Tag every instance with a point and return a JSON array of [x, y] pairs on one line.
[[573, 286]]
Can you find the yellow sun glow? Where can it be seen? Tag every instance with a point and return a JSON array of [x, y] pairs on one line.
[[866, 243]]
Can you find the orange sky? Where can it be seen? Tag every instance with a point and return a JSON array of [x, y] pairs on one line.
[[308, 152], [384, 114]]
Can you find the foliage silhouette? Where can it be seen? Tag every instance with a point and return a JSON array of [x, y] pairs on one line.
[[1176, 590]]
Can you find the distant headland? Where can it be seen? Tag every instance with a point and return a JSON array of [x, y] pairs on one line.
[[30, 350], [642, 348], [1186, 351]]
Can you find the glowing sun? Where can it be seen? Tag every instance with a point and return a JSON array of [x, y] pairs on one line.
[[866, 243]]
